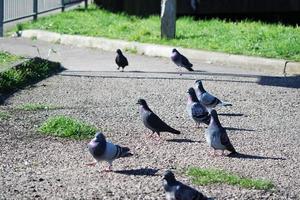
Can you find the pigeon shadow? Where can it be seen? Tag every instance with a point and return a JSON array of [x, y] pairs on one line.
[[238, 129], [183, 141], [231, 114], [139, 172], [253, 157]]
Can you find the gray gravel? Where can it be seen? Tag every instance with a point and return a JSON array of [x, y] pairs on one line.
[[264, 125]]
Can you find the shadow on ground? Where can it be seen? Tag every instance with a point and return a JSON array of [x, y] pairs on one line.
[[253, 157], [138, 172], [289, 82], [183, 141]]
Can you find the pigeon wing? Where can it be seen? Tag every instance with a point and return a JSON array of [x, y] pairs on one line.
[[225, 140], [185, 192], [208, 99]]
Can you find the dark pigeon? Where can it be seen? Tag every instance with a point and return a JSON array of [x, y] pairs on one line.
[[152, 121], [194, 5], [195, 109], [206, 99], [121, 60], [102, 150], [216, 135], [180, 60], [176, 190]]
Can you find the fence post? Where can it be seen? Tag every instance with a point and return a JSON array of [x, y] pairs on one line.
[[35, 9], [62, 5], [168, 18], [85, 4], [1, 17]]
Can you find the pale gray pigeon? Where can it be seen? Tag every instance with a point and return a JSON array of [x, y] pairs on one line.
[[121, 60], [195, 109], [206, 99], [180, 60], [216, 135], [176, 190], [152, 121], [103, 150]]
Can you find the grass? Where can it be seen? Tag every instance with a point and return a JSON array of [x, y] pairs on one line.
[[4, 115], [213, 176], [7, 58], [36, 106], [67, 127], [244, 37], [26, 73]]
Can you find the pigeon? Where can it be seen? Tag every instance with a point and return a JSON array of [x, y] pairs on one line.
[[103, 150], [217, 137], [180, 60], [152, 121], [195, 109], [194, 5], [176, 190], [121, 60], [206, 99]]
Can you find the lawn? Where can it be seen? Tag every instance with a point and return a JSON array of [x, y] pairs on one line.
[[6, 59], [244, 37], [213, 176]]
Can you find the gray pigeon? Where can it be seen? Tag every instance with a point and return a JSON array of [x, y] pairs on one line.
[[195, 109], [216, 135], [102, 150], [152, 121], [180, 60], [121, 60], [206, 99], [176, 190]]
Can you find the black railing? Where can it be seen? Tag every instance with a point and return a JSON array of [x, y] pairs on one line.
[[13, 10]]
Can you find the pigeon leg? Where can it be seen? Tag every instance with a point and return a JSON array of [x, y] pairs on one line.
[[109, 168], [118, 68], [122, 69], [92, 163], [222, 154]]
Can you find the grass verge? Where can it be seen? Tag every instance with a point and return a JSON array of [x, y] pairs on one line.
[[4, 115], [212, 176], [6, 59], [244, 37], [67, 127], [36, 106], [26, 73]]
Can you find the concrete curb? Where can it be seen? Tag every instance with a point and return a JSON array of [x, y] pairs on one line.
[[244, 62]]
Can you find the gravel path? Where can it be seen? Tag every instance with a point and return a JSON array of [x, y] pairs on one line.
[[263, 124]]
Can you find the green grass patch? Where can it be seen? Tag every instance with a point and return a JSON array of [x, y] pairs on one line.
[[244, 37], [36, 106], [67, 127], [26, 73], [4, 115], [6, 59], [213, 176]]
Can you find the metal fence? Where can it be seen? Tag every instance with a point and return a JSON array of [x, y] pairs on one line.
[[13, 10]]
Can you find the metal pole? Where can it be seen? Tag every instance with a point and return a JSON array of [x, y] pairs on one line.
[[35, 9], [85, 4], [1, 17], [62, 5], [168, 19]]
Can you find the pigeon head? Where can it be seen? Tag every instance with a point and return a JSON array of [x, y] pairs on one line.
[[199, 85], [174, 50], [99, 137], [119, 51], [169, 177], [141, 102], [192, 93]]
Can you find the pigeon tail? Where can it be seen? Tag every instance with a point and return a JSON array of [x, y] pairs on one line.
[[122, 152], [190, 69], [172, 130], [225, 104]]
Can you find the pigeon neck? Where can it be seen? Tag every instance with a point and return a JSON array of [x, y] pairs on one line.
[[215, 120], [201, 89], [193, 98], [145, 106]]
